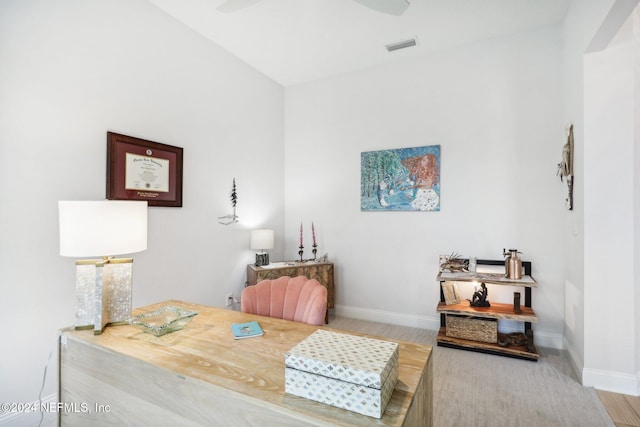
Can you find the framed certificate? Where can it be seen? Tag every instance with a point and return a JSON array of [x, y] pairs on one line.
[[138, 169]]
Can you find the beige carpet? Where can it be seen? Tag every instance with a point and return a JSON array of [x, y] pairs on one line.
[[474, 389]]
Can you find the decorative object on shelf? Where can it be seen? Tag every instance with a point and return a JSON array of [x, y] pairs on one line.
[[313, 236], [406, 179], [516, 303], [314, 245], [163, 320], [517, 338], [451, 293], [472, 328], [262, 240], [512, 264], [138, 169], [503, 340], [565, 167], [453, 263], [479, 298], [231, 218], [472, 264], [102, 228], [301, 247], [323, 258]]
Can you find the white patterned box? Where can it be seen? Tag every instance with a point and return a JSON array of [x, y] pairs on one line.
[[348, 371]]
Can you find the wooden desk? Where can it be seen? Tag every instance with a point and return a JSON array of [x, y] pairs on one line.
[[321, 271], [202, 376]]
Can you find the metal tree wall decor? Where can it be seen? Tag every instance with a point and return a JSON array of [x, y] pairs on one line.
[[565, 167], [231, 218]]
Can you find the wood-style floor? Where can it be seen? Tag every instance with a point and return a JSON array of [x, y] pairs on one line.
[[623, 409]]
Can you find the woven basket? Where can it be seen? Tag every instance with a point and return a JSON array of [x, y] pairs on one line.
[[472, 328]]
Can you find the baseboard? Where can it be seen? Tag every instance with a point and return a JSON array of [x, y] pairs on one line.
[[616, 382], [548, 339], [402, 319], [28, 414], [603, 380], [542, 338]]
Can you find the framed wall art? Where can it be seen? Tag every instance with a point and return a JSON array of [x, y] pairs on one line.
[[138, 169], [405, 179]]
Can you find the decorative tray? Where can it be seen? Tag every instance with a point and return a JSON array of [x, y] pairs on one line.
[[163, 320]]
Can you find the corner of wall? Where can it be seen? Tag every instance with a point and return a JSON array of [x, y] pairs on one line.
[[574, 359]]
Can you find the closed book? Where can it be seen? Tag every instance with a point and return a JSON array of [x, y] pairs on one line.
[[246, 330]]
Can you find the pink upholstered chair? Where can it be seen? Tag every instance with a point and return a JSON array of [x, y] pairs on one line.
[[291, 298]]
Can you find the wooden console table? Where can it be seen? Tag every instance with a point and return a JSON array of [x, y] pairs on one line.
[[202, 376], [321, 271]]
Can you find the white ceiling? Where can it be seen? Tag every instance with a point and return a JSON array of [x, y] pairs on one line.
[[296, 41]]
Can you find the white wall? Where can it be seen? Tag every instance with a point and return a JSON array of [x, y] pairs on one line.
[[636, 192], [611, 117], [73, 69], [597, 294], [579, 27], [494, 107]]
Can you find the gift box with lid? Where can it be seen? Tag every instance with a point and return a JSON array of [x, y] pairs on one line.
[[343, 370]]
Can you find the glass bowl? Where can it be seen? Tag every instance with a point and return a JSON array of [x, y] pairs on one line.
[[163, 320]]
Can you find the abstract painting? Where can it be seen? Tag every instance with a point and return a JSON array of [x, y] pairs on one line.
[[404, 179]]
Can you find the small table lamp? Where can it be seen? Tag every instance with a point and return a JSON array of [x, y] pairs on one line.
[[262, 240], [102, 228]]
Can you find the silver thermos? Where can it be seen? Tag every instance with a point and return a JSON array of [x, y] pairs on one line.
[[512, 264]]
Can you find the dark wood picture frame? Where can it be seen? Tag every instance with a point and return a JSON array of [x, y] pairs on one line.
[[138, 169]]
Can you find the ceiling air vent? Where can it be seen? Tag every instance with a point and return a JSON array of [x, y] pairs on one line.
[[401, 45]]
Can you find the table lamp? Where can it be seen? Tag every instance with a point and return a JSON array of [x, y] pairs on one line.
[[262, 240], [105, 229]]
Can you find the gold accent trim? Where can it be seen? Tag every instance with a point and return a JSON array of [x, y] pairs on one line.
[[103, 261], [119, 323]]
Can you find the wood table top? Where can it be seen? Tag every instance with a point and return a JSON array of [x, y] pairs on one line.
[[254, 367]]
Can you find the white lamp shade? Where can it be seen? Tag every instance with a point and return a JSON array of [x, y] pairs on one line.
[[102, 228], [262, 239]]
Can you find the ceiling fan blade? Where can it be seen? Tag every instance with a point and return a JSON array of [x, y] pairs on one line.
[[230, 6], [390, 7]]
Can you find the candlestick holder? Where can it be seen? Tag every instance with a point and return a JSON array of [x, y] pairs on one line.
[[301, 252], [314, 251]]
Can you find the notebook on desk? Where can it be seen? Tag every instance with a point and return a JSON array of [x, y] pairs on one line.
[[246, 330]]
